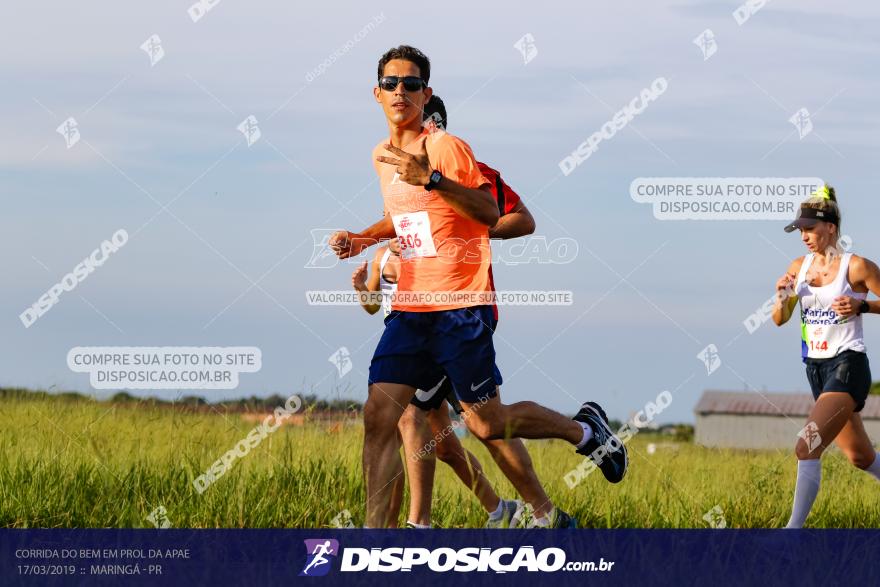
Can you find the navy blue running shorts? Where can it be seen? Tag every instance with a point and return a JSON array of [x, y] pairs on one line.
[[420, 348]]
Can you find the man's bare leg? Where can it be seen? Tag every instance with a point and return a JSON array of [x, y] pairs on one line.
[[381, 459], [588, 431], [511, 457], [468, 468], [493, 420], [396, 497], [420, 464], [514, 461], [396, 502]]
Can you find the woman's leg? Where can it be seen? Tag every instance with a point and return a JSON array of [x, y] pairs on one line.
[[827, 418]]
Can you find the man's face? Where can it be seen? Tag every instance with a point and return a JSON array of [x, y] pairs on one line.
[[402, 108]]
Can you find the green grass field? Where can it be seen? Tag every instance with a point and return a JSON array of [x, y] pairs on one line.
[[93, 464]]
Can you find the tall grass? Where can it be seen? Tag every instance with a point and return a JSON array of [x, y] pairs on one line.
[[88, 464]]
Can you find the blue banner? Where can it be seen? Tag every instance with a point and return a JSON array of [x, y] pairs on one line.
[[435, 557]]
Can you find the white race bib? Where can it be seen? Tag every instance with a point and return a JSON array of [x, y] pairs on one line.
[[414, 235], [818, 345]]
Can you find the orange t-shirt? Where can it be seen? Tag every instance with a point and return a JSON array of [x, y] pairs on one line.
[[441, 250]]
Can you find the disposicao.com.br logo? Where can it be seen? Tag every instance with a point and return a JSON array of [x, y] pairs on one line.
[[440, 560], [317, 552]]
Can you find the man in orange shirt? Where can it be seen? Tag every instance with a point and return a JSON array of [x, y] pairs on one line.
[[427, 416], [438, 204]]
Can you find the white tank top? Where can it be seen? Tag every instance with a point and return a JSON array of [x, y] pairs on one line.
[[824, 334], [386, 287]]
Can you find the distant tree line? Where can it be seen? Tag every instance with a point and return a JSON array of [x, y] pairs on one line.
[[311, 402]]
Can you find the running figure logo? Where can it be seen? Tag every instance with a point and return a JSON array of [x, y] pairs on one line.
[[159, 518], [69, 129], [706, 42], [710, 358], [250, 128], [323, 256], [810, 435], [342, 360], [802, 122], [715, 517], [434, 124], [317, 551], [153, 48], [342, 520], [526, 46]]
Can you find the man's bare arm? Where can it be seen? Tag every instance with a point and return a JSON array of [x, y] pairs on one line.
[[518, 222], [476, 204], [351, 244], [415, 169]]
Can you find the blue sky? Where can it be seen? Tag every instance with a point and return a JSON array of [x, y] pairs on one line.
[[243, 214]]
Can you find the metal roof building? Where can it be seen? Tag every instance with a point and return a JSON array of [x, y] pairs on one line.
[[757, 420]]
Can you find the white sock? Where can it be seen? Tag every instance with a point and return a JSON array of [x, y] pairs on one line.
[[545, 521], [808, 476], [499, 511], [874, 469], [588, 434], [419, 526]]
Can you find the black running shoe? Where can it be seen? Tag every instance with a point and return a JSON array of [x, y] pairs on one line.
[[563, 520], [605, 449]]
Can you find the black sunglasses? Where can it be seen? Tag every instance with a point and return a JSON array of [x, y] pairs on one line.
[[411, 83]]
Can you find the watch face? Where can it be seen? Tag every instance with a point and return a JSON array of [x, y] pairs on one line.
[[435, 177]]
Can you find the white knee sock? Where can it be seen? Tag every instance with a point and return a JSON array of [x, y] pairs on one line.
[[874, 469], [805, 491]]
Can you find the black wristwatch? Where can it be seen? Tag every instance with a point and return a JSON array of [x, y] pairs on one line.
[[864, 307], [435, 179]]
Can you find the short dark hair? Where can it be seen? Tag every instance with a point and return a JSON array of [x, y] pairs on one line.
[[410, 54], [435, 106]]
